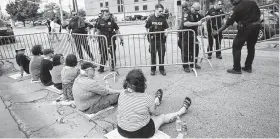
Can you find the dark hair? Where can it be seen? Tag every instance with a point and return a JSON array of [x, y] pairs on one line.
[[52, 19], [48, 51], [135, 80], [87, 65], [159, 6], [37, 50], [71, 60], [56, 59]]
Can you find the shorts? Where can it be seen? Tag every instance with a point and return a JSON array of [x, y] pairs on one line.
[[145, 132]]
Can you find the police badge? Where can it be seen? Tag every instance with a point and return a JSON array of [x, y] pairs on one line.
[[185, 15], [109, 23]]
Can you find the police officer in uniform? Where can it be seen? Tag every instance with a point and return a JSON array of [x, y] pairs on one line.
[[157, 22], [214, 24], [191, 20], [107, 27], [247, 14]]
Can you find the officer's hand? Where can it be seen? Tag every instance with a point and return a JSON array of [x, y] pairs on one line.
[[214, 33], [199, 23], [121, 43]]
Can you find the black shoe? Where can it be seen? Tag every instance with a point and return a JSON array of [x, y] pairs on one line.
[[100, 70], [249, 70], [187, 70], [153, 73], [209, 57], [162, 72], [196, 66], [219, 57], [234, 71]]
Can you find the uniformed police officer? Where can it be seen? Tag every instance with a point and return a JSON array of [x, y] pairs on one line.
[[155, 23], [213, 25], [78, 26], [191, 20], [247, 14], [107, 27]]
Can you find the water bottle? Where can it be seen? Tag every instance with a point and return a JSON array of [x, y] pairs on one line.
[[107, 84], [178, 124]]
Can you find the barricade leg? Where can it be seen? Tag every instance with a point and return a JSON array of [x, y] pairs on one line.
[[161, 54], [78, 46], [251, 42], [86, 46]]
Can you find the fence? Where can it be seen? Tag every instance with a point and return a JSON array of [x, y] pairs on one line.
[[8, 44], [269, 30]]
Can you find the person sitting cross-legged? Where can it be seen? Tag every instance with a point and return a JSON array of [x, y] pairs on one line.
[[136, 108], [89, 95]]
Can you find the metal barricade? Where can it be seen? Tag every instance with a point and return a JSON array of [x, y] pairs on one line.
[[62, 43], [269, 31], [8, 44], [140, 50]]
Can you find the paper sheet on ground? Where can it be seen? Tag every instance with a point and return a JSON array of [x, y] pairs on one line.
[[17, 76], [115, 135]]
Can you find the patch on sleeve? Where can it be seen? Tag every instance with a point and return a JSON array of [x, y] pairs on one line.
[[186, 15]]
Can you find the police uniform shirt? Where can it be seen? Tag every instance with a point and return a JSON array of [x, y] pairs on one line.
[[217, 21], [191, 17], [155, 24], [245, 12], [73, 24], [107, 27]]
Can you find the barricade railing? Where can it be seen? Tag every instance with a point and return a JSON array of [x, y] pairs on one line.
[[8, 44], [269, 30], [143, 49]]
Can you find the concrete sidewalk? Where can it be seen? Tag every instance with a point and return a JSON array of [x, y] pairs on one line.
[[224, 105]]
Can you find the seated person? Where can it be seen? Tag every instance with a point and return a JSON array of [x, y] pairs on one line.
[[22, 61], [46, 66], [89, 95], [58, 61], [136, 108], [35, 62], [68, 74]]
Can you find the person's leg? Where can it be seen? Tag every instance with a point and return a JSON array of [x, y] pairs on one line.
[[161, 54], [78, 46], [86, 46], [196, 50], [237, 45], [113, 54], [191, 49], [185, 53], [103, 53], [251, 42], [153, 53], [168, 118], [103, 103], [210, 41]]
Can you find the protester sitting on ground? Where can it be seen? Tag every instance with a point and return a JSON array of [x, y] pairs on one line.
[[46, 66], [68, 75], [136, 108], [35, 63], [58, 61], [89, 95], [22, 61]]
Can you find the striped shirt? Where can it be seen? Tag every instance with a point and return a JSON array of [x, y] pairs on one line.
[[134, 110]]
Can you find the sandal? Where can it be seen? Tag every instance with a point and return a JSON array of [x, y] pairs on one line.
[[187, 103], [159, 94]]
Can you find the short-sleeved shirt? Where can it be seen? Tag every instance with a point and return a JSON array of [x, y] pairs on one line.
[[191, 17], [216, 22], [155, 24], [87, 92], [23, 60], [107, 27], [34, 67], [45, 75], [56, 73], [73, 24], [245, 12], [134, 110]]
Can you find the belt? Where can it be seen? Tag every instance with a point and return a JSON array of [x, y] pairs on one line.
[[249, 24]]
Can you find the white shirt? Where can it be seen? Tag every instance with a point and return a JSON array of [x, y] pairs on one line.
[[54, 25]]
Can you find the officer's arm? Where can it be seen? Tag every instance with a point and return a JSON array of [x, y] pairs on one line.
[[148, 24], [120, 36], [191, 24], [229, 22]]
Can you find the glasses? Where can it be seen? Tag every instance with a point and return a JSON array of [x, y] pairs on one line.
[[105, 11]]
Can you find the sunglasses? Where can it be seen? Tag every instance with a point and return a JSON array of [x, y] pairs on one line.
[[105, 11]]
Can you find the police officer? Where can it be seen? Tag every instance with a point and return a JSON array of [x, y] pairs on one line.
[[191, 20], [78, 26], [214, 24], [247, 14], [107, 27], [155, 23]]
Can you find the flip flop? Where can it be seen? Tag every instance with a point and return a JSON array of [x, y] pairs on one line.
[[187, 103], [159, 94]]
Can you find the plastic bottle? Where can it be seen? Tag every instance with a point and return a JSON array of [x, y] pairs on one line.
[[178, 124]]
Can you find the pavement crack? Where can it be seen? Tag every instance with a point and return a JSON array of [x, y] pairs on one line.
[[90, 130], [33, 101], [96, 125], [42, 128]]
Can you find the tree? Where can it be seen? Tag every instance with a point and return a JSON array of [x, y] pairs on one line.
[[50, 9], [22, 10]]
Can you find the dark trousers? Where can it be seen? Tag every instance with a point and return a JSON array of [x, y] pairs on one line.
[[103, 103], [157, 45], [247, 34], [104, 53], [79, 41], [218, 40], [49, 29], [187, 45]]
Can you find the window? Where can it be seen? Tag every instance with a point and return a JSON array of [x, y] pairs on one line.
[[136, 8], [106, 4], [120, 2], [120, 5], [145, 7], [144, 0], [101, 4], [135, 0]]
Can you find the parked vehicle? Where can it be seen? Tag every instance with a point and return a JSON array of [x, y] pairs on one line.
[[6, 30]]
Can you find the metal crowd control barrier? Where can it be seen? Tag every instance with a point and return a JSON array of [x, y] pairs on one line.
[[140, 50], [269, 30], [8, 44]]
